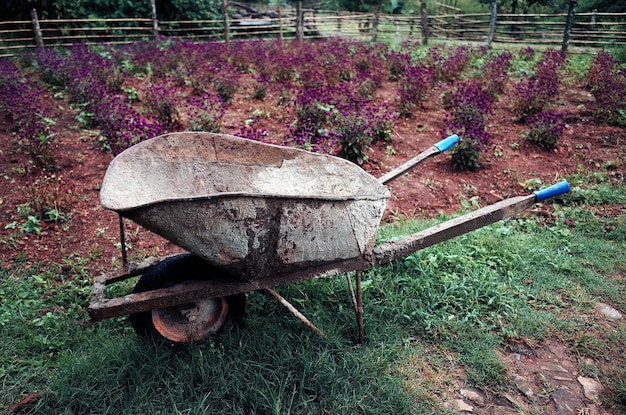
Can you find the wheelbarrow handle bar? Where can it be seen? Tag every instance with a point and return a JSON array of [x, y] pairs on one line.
[[398, 248], [552, 191], [447, 143], [438, 148]]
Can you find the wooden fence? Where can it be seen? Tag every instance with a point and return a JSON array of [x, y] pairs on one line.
[[588, 29]]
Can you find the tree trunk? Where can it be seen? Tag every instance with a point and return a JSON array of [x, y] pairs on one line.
[[568, 25], [36, 28], [424, 23], [280, 21], [375, 20], [299, 21], [155, 22], [492, 23], [226, 22]]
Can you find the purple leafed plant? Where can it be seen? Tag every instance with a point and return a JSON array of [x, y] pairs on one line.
[[225, 80], [546, 128], [307, 136], [413, 88], [527, 53], [205, 113], [164, 102], [495, 71], [250, 132], [469, 103], [357, 127], [86, 80], [607, 82], [23, 105], [535, 93], [396, 63]]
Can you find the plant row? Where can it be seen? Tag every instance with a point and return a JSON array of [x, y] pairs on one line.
[[21, 103], [328, 91]]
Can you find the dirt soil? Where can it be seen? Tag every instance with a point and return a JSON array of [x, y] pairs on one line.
[[91, 233]]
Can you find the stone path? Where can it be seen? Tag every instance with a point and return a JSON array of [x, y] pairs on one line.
[[547, 379]]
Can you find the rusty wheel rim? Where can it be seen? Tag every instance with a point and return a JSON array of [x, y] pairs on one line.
[[191, 322]]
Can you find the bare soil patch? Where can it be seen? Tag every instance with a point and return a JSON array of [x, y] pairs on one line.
[[91, 233]]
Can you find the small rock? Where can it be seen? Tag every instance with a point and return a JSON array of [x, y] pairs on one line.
[[553, 367], [592, 388], [608, 311], [566, 402], [459, 405], [503, 410], [462, 406], [514, 401], [474, 396], [524, 386]]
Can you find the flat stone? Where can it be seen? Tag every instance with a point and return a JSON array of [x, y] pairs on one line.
[[566, 401], [608, 311], [524, 386], [503, 410], [474, 396], [564, 378], [553, 367], [459, 405], [592, 388], [516, 402]]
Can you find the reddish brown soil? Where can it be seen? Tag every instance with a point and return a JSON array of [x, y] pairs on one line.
[[92, 232]]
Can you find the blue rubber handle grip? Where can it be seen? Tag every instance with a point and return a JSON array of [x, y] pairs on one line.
[[554, 190], [446, 143]]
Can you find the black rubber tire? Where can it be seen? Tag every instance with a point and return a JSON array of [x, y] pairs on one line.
[[172, 271]]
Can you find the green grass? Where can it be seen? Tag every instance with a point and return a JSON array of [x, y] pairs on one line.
[[429, 315]]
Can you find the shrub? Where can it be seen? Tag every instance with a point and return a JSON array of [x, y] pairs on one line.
[[527, 53], [396, 63], [354, 132], [163, 101], [546, 128], [607, 82], [469, 103], [307, 136], [23, 105], [225, 80], [314, 107], [495, 71], [533, 94], [413, 88], [250, 132], [205, 113]]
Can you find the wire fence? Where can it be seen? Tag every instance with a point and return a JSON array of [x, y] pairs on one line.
[[586, 29]]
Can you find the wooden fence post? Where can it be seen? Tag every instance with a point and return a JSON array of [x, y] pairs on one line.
[[280, 21], [226, 22], [36, 28], [299, 21], [492, 22], [375, 20], [568, 25], [155, 22], [424, 23]]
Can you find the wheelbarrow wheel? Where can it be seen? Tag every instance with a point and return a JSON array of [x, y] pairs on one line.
[[187, 322]]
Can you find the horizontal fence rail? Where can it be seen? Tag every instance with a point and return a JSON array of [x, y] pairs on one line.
[[588, 29]]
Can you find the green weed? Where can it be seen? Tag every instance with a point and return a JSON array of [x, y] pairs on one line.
[[434, 314]]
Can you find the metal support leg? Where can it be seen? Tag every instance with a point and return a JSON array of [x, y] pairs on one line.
[[295, 311], [359, 308], [123, 242], [357, 303]]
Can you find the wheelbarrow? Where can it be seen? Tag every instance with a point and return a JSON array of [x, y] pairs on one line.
[[253, 216]]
